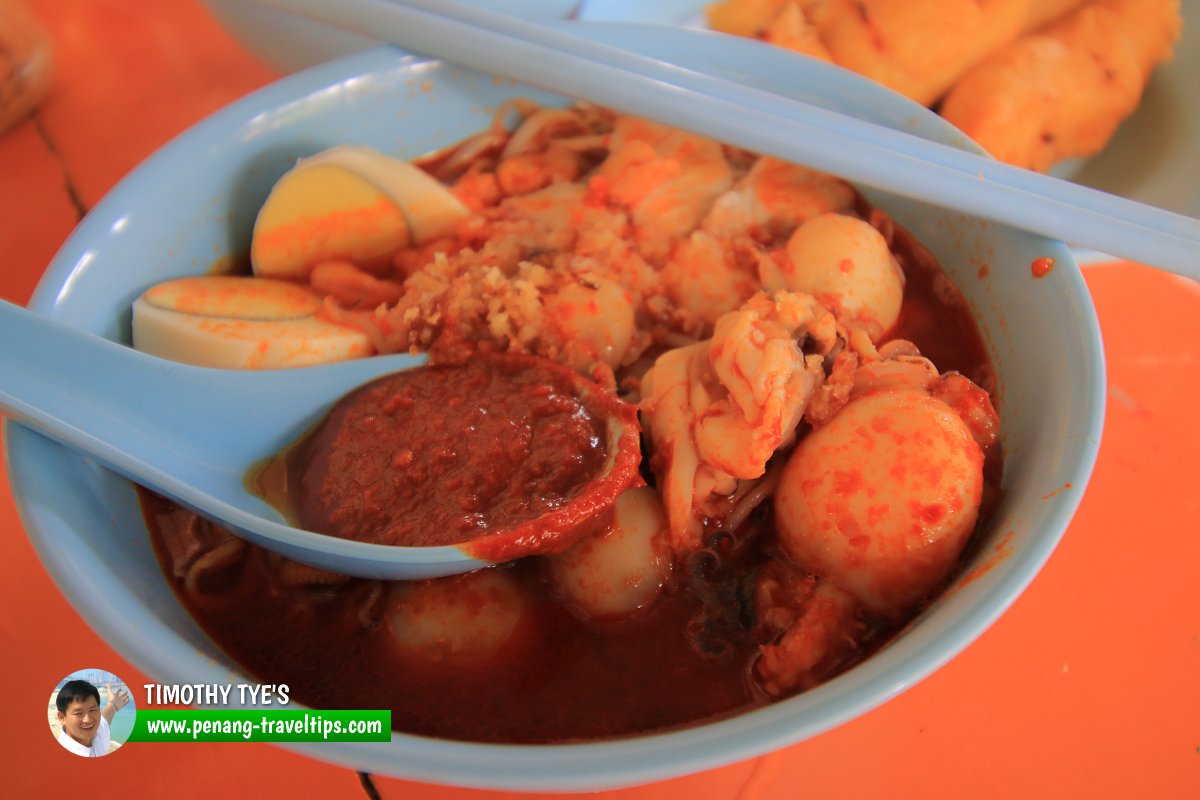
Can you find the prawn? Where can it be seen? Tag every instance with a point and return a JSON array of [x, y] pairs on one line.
[[667, 179], [809, 623], [716, 411], [721, 265]]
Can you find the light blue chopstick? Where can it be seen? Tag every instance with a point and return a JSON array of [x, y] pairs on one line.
[[867, 153]]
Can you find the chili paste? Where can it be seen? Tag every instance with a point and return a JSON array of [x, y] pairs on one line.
[[440, 455]]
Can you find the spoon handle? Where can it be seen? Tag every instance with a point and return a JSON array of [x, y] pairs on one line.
[[193, 432], [85, 391], [160, 422], [766, 122]]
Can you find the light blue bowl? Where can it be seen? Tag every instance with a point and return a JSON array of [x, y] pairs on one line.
[[195, 200]]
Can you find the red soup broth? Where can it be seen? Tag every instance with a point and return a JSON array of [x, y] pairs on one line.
[[558, 678]]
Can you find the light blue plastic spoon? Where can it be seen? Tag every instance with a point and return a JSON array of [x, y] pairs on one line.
[[550, 57], [192, 433]]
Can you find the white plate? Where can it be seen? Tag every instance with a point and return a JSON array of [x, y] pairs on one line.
[[1154, 157]]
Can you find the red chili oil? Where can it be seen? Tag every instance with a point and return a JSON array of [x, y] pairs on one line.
[[687, 660]]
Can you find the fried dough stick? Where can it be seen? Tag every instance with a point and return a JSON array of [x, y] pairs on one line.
[[916, 47], [1061, 92]]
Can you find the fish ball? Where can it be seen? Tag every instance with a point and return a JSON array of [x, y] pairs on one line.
[[458, 617], [621, 570], [599, 317], [847, 265], [881, 499]]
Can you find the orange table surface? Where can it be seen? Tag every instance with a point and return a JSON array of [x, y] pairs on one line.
[[1088, 687]]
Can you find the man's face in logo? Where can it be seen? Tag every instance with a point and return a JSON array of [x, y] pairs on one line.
[[81, 720]]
